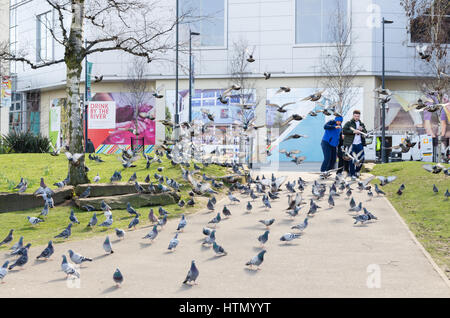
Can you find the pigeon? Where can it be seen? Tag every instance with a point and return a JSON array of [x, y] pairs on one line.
[[386, 180], [131, 210], [301, 226], [257, 260], [86, 192], [68, 268], [356, 208], [210, 238], [173, 242], [73, 218], [370, 215], [107, 223], [34, 220], [446, 195], [47, 252], [216, 219], [20, 184], [163, 221], [181, 203], [21, 261], [88, 207], [21, 250], [331, 200], [138, 187], [294, 212], [267, 223], [77, 258], [96, 178], [120, 233], [18, 245], [289, 237], [44, 211], [93, 220], [435, 189], [352, 203], [370, 194], [133, 177], [134, 222], [4, 271], [107, 246], [192, 275], [378, 191], [8, 238], [210, 205], [226, 211], [182, 223], [263, 238], [266, 202], [361, 218], [249, 206], [232, 198], [219, 249], [152, 217], [105, 206], [162, 211], [117, 277], [66, 232], [152, 234]]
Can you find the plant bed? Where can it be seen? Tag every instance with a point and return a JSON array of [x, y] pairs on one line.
[[137, 200], [23, 201]]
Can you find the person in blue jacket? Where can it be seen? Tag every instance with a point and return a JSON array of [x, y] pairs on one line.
[[329, 143]]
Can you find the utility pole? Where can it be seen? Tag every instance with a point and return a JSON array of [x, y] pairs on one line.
[[191, 76], [177, 116], [383, 105]]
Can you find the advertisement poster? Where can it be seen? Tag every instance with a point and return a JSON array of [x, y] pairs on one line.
[[309, 126], [6, 92], [57, 121], [112, 121]]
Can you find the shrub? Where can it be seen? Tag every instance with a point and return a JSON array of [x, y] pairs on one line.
[[26, 142]]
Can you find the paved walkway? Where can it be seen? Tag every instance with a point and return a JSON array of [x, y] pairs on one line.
[[333, 258]]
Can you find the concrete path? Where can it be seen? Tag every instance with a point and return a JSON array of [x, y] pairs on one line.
[[333, 258]]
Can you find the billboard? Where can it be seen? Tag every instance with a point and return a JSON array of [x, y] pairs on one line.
[[114, 117], [6, 92]]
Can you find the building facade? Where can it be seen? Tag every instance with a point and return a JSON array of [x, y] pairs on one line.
[[287, 38]]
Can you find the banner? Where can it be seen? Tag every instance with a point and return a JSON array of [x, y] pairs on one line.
[[6, 92], [112, 121]]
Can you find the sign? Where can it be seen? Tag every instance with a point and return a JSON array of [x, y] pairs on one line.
[[102, 115], [6, 92]]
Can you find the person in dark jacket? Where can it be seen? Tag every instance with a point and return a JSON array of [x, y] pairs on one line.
[[355, 140], [329, 143]]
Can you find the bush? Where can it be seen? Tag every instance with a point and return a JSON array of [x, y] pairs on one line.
[[25, 142], [3, 148]]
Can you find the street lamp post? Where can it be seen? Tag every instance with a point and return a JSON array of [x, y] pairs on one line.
[[177, 116], [191, 33], [383, 105]]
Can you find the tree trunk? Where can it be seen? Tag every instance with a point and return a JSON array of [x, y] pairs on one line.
[[73, 59]]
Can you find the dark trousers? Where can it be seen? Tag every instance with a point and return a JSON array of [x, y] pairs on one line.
[[342, 164], [356, 149], [329, 156]]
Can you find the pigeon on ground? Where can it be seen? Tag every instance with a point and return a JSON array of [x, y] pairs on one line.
[[107, 223], [77, 258], [211, 238], [361, 218], [73, 218], [266, 202], [152, 217], [86, 192], [163, 221], [352, 203], [182, 223], [18, 245], [21, 261], [257, 260], [107, 246], [44, 211], [267, 223], [249, 206], [66, 232], [134, 222], [264, 237], [378, 191], [93, 221], [330, 200], [226, 211], [356, 208], [207, 231], [68, 268], [435, 189], [21, 250], [173, 242], [131, 210], [4, 271], [219, 249], [301, 226], [88, 207], [446, 195], [216, 219], [105, 206], [47, 252], [118, 277], [192, 275], [370, 194], [96, 178], [232, 198], [8, 238], [289, 237], [152, 234], [120, 233], [33, 220], [133, 178], [210, 205]]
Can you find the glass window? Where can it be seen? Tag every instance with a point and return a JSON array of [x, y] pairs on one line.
[[313, 19], [206, 17], [44, 37]]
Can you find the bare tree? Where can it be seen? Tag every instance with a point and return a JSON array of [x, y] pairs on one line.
[[338, 63], [428, 24], [131, 26]]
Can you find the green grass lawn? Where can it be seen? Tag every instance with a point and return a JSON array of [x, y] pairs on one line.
[[53, 169], [426, 213]]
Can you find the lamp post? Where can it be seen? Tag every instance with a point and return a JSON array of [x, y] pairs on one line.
[[86, 101], [177, 116], [383, 104], [191, 33]]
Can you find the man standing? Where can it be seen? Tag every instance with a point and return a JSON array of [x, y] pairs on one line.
[[329, 143], [354, 140]]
